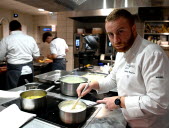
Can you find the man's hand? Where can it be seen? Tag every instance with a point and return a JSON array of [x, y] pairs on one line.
[[109, 102], [92, 85]]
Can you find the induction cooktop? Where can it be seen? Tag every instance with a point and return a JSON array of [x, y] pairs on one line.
[[51, 113]]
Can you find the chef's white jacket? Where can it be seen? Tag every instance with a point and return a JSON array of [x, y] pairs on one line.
[[58, 47], [142, 76], [18, 48]]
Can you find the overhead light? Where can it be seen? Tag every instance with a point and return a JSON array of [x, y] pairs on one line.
[[104, 4], [40, 9], [51, 13]]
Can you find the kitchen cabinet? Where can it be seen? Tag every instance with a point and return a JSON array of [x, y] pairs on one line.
[[157, 31]]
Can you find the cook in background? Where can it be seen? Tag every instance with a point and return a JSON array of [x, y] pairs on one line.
[[140, 74], [19, 50], [58, 49]]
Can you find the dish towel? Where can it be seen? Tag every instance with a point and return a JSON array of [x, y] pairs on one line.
[[13, 117]]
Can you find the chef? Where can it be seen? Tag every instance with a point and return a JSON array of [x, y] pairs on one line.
[[19, 50], [58, 49], [140, 74]]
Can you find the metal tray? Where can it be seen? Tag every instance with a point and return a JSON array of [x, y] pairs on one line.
[[52, 76]]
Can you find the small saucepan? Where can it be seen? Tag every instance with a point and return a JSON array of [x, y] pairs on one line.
[[69, 84], [73, 116], [34, 100]]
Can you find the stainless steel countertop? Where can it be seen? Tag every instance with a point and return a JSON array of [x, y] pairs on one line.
[[102, 118]]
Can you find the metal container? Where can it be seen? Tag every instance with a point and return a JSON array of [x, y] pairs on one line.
[[68, 88], [36, 105], [69, 117], [32, 85]]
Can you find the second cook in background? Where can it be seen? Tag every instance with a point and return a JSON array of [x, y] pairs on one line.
[[58, 49], [140, 74]]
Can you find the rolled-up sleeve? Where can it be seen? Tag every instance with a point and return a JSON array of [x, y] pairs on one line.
[[133, 106]]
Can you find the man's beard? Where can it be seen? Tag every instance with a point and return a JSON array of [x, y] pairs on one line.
[[130, 42]]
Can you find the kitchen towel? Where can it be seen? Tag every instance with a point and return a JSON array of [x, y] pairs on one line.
[[13, 117]]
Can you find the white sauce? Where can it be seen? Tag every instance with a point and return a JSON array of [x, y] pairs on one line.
[[68, 107], [73, 79]]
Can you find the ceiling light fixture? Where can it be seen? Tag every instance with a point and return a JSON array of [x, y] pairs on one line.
[[41, 10], [52, 13], [104, 4]]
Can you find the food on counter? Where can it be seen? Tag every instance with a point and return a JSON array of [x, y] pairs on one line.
[[48, 60], [68, 107], [93, 76], [45, 61], [41, 61], [73, 80], [34, 97], [3, 69]]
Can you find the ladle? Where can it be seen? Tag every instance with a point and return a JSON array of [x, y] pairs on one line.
[[74, 105]]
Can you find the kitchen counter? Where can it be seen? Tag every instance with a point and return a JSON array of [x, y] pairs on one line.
[[99, 119]]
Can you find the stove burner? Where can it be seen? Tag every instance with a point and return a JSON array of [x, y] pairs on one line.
[[51, 115]]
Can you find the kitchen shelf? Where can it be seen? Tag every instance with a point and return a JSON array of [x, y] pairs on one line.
[[157, 31]]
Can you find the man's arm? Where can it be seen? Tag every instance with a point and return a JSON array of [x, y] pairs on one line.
[[52, 56]]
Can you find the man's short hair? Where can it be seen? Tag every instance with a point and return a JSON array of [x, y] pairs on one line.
[[118, 13], [14, 25], [45, 36]]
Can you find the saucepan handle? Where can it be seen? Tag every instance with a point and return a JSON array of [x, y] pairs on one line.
[[56, 82], [90, 106], [50, 88]]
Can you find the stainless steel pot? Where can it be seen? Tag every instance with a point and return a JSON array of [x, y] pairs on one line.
[[68, 88], [69, 116], [35, 105]]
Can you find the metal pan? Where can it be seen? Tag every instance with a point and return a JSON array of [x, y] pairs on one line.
[[34, 100], [69, 116], [69, 88]]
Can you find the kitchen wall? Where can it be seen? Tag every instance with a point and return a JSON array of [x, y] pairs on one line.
[[65, 29], [40, 22], [25, 19]]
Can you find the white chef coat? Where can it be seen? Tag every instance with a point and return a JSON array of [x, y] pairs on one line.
[[142, 76], [18, 48], [58, 47]]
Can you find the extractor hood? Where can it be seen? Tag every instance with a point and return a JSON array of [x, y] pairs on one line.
[[78, 5]]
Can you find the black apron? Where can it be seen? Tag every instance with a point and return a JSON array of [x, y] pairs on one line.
[[59, 64], [14, 73]]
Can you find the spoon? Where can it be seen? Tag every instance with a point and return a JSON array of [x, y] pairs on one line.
[[74, 105]]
